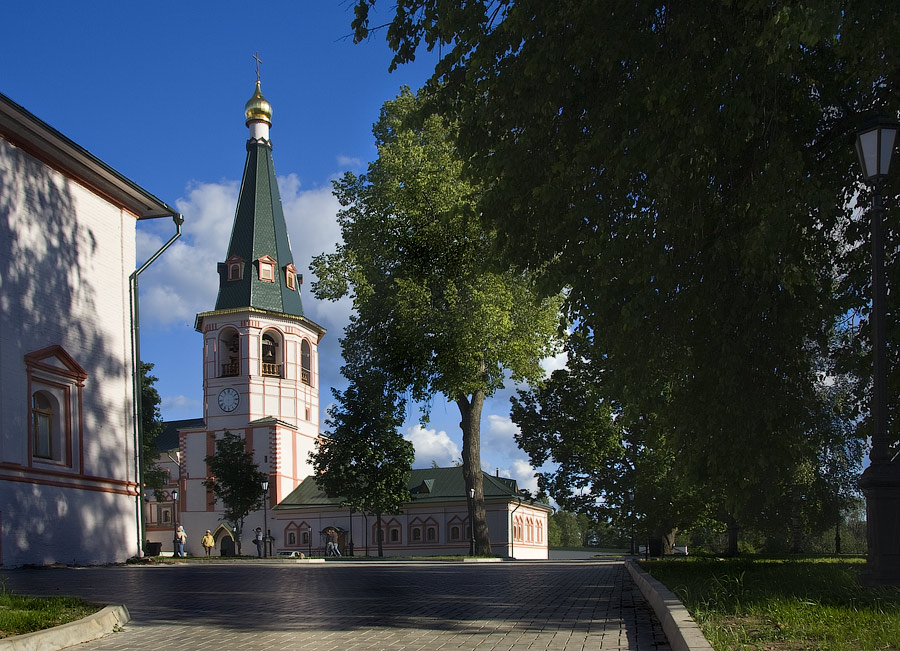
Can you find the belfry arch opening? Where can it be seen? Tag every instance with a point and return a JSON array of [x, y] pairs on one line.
[[270, 353], [305, 362], [229, 353]]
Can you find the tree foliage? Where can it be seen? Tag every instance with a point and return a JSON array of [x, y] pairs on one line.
[[235, 480], [433, 310], [687, 173], [152, 476], [363, 458]]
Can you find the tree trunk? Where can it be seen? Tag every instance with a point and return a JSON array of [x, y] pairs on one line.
[[796, 520], [837, 537], [379, 535], [668, 541], [732, 526], [470, 410]]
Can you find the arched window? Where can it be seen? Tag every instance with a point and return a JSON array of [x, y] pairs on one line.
[[431, 534], [43, 417], [454, 533], [395, 535], [416, 534], [292, 538], [305, 366]]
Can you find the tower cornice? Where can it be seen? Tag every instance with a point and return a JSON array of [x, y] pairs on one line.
[[281, 316]]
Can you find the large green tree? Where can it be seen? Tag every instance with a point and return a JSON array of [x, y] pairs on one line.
[[600, 458], [235, 479], [363, 458], [432, 306], [687, 172]]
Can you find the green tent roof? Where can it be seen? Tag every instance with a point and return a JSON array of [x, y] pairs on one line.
[[259, 230]]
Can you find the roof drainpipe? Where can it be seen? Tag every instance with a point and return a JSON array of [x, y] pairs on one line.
[[137, 377]]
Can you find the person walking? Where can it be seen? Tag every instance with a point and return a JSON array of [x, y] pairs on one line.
[[258, 539], [180, 540], [208, 542]]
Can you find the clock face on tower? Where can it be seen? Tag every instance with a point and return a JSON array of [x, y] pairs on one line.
[[229, 399]]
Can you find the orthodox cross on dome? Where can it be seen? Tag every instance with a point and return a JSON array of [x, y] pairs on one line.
[[258, 61]]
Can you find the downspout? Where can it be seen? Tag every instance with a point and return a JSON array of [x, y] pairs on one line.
[[136, 377]]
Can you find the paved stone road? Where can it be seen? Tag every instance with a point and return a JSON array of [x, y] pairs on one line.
[[364, 605]]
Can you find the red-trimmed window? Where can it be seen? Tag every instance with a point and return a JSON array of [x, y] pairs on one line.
[[266, 266], [290, 276], [235, 267]]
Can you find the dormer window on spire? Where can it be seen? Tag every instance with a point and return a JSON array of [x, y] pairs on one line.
[[290, 277], [266, 266], [235, 267]]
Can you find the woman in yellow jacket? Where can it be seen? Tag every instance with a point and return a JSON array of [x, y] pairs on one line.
[[208, 542]]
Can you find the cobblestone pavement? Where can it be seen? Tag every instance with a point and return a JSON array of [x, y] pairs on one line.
[[364, 605]]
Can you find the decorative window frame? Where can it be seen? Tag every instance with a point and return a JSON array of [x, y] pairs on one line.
[[430, 524], [266, 268], [165, 514], [391, 531], [416, 532], [290, 277], [234, 267], [460, 526], [53, 372]]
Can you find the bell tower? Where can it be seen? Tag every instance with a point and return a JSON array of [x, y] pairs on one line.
[[260, 352]]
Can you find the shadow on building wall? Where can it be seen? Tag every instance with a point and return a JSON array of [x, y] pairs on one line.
[[51, 272]]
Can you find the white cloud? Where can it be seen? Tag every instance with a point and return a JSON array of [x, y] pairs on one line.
[[349, 163], [432, 446], [180, 407], [524, 475], [497, 437], [183, 281], [558, 361]]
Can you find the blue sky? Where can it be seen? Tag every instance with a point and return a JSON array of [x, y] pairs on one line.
[[157, 90]]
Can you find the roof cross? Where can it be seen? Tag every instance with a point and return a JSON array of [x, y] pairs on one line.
[[258, 61]]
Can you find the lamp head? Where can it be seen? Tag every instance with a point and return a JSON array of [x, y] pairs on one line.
[[875, 147]]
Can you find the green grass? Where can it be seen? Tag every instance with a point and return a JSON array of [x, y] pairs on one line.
[[19, 615], [783, 604]]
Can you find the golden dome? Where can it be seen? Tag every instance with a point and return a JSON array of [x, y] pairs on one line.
[[258, 108]]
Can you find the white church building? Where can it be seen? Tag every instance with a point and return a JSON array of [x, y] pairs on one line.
[[68, 464]]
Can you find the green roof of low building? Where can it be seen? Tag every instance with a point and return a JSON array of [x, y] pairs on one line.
[[425, 485]]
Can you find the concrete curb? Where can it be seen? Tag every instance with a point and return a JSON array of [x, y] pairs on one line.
[[59, 637], [680, 629]]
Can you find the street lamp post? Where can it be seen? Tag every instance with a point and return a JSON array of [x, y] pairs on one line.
[[175, 522], [265, 487], [471, 522], [880, 482], [631, 513]]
